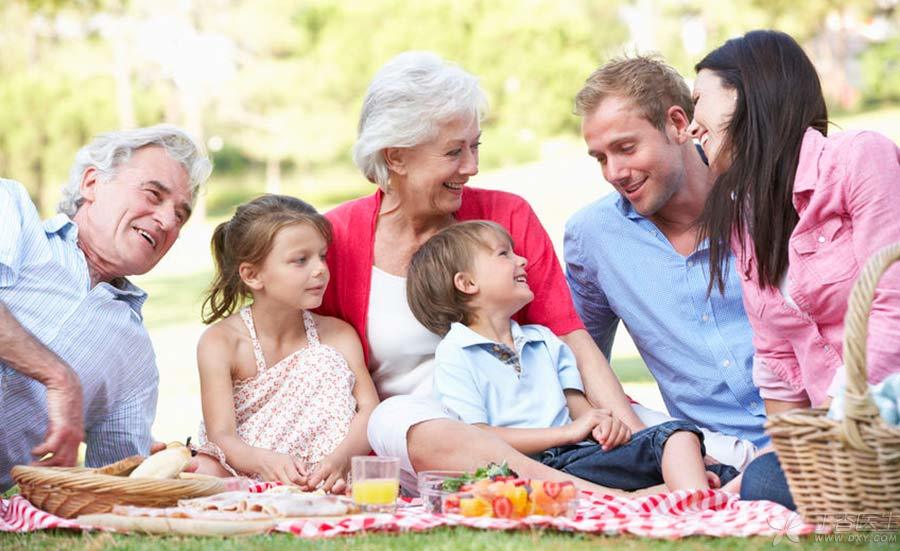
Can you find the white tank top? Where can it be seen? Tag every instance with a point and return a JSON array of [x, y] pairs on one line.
[[401, 349]]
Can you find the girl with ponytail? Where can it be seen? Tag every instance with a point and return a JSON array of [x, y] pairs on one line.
[[286, 394]]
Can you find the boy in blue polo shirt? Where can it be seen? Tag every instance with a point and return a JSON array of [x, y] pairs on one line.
[[521, 382]]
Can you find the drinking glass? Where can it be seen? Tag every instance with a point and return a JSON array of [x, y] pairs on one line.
[[375, 482]]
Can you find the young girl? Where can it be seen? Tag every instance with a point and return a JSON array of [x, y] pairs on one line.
[[283, 389]]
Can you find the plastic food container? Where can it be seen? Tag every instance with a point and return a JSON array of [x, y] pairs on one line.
[[515, 498], [430, 488]]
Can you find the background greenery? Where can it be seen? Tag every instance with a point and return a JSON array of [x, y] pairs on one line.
[[274, 86]]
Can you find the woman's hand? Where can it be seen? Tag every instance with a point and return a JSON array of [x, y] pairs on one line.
[[331, 473], [279, 467]]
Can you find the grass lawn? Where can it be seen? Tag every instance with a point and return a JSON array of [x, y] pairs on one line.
[[450, 539]]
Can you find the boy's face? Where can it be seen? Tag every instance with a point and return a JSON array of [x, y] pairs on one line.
[[500, 283]]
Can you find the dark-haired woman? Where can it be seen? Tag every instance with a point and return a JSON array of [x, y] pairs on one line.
[[803, 212]]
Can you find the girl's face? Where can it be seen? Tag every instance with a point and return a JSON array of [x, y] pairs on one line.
[[714, 105], [429, 177], [294, 273]]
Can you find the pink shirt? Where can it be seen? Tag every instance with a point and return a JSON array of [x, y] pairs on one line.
[[847, 195], [351, 257]]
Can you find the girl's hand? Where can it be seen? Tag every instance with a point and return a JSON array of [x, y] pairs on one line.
[[331, 473], [279, 467], [611, 433]]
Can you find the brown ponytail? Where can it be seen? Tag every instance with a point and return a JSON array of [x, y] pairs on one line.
[[248, 237]]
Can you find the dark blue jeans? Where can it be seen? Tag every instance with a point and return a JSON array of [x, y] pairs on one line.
[[764, 479], [632, 466]]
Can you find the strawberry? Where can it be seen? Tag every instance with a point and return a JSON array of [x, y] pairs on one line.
[[552, 489], [451, 503], [503, 507]]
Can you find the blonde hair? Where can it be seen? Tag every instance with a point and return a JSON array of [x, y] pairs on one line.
[[248, 237], [651, 85], [433, 297]]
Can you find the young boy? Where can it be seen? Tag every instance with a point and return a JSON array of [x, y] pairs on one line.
[[521, 382]]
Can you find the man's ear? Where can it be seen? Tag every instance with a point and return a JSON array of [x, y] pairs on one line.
[[395, 159], [90, 178], [250, 276], [464, 283], [677, 123]]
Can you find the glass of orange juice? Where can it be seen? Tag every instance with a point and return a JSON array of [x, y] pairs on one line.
[[375, 482]]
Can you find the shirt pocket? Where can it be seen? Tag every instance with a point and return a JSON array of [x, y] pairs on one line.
[[827, 250]]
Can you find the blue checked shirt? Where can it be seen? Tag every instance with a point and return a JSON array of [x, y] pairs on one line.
[[620, 266], [99, 332]]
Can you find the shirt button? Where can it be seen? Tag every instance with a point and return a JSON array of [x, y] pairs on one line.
[[705, 317], [726, 363], [690, 263], [753, 405], [821, 239], [827, 347]]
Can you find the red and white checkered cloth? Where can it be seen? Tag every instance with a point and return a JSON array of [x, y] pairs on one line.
[[668, 515]]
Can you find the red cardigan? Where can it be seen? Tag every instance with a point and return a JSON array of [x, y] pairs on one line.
[[351, 257]]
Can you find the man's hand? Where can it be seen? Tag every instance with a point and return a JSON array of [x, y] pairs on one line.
[[65, 422]]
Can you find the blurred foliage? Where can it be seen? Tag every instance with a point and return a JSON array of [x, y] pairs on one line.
[[881, 72], [275, 86]]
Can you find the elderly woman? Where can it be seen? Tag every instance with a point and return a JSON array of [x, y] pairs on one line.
[[418, 141]]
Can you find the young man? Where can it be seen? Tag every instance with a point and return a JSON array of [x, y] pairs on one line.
[[75, 359], [521, 382], [635, 256]]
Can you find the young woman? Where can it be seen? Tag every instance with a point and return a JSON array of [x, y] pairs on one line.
[[803, 212]]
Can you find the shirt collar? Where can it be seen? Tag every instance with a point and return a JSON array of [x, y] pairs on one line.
[[121, 288], [463, 337], [808, 164], [626, 209], [63, 225]]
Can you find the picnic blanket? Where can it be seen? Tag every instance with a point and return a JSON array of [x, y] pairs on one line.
[[667, 515]]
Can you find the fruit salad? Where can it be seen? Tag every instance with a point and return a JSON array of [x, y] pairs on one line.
[[513, 498]]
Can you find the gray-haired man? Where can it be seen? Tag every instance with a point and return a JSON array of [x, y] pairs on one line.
[[75, 359]]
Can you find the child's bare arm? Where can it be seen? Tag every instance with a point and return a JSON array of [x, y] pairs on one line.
[[534, 441], [341, 335], [215, 358]]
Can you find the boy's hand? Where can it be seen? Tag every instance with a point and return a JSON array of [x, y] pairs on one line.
[[611, 433], [582, 427]]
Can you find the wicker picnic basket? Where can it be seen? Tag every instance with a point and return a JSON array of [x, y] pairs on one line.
[[71, 491], [852, 466]]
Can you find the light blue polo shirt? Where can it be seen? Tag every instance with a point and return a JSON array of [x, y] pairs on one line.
[[480, 387]]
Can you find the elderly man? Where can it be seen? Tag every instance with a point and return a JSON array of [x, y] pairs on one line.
[[635, 256], [75, 359]]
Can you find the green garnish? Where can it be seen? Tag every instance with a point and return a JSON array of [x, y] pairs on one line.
[[492, 470]]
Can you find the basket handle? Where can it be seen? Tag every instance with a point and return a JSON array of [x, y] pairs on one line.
[[858, 404]]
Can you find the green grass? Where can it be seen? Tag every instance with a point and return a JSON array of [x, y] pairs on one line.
[[450, 539], [174, 299]]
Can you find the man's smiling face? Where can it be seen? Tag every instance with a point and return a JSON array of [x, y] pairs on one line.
[[128, 222]]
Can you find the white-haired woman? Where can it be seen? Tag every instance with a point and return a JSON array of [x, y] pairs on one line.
[[75, 359], [419, 134]]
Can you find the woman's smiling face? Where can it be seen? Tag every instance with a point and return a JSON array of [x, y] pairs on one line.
[[429, 177], [714, 104]]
